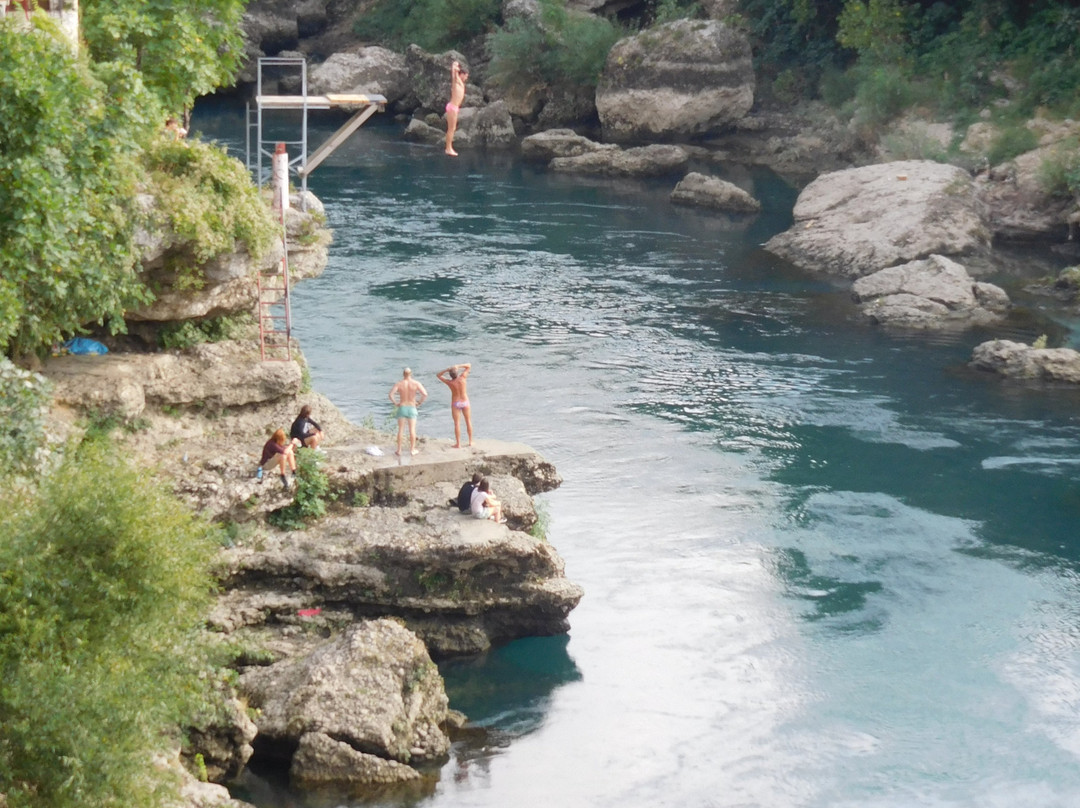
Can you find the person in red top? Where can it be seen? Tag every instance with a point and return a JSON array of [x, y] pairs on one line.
[[277, 452]]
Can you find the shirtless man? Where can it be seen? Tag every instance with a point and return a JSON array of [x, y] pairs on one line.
[[405, 404], [459, 398], [458, 77]]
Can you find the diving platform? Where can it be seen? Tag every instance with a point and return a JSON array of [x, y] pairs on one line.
[[301, 163]]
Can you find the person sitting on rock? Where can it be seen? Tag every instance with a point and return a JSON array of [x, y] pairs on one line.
[[277, 453], [484, 505], [305, 432], [464, 497]]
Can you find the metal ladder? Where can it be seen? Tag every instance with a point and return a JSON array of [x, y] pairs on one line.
[[275, 328]]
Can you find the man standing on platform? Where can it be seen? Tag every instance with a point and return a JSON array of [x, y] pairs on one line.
[[403, 397]]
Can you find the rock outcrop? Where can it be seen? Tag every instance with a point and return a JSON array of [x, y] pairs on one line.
[[363, 70], [1015, 360], [704, 191], [369, 696], [228, 283], [678, 80], [643, 161], [934, 293], [211, 377], [858, 221]]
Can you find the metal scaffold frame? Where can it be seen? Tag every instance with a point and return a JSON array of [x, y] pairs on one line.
[[365, 104]]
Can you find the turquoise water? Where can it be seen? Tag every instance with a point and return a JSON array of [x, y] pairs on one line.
[[823, 566]]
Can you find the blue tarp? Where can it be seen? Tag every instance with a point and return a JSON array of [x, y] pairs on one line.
[[82, 345]]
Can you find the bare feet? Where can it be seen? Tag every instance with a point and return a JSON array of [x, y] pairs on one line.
[[398, 453], [451, 152], [456, 446]]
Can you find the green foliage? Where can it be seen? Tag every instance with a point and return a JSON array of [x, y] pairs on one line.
[[103, 592], [1059, 173], [312, 493], [877, 29], [182, 50], [207, 198], [1039, 343], [560, 47], [670, 10], [68, 143], [794, 35], [431, 24], [24, 403], [178, 336], [540, 528], [1011, 142], [882, 94]]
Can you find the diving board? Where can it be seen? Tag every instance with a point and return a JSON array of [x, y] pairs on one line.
[[364, 104]]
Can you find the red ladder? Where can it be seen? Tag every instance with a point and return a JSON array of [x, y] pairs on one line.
[[275, 329]]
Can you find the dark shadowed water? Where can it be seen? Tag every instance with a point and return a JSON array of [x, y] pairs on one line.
[[824, 567]]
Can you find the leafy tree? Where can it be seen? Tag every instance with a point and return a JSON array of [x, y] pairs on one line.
[[431, 24], [103, 592], [559, 47], [67, 177], [182, 50]]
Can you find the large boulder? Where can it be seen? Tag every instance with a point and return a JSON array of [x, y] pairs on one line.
[[934, 293], [658, 160], [1015, 360], [366, 70], [429, 79], [682, 79], [373, 687], [488, 127], [861, 220], [704, 191]]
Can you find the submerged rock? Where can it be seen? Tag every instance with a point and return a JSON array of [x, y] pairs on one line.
[[712, 192], [1015, 360], [643, 161]]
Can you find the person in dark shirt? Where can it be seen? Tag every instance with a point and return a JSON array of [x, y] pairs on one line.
[[464, 497], [306, 432]]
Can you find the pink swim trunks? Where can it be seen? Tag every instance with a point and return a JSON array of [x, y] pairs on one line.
[[462, 405], [452, 107]]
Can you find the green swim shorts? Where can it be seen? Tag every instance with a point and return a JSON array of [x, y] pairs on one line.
[[405, 411]]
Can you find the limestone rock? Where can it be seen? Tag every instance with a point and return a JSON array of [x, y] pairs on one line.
[[643, 161], [1018, 206], [712, 192], [484, 127], [461, 583], [546, 146], [224, 743], [322, 761], [373, 687], [214, 375], [228, 285], [682, 79], [429, 79], [365, 70], [1015, 360], [935, 293], [860, 220]]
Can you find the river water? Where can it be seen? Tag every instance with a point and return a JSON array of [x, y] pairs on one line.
[[823, 566]]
